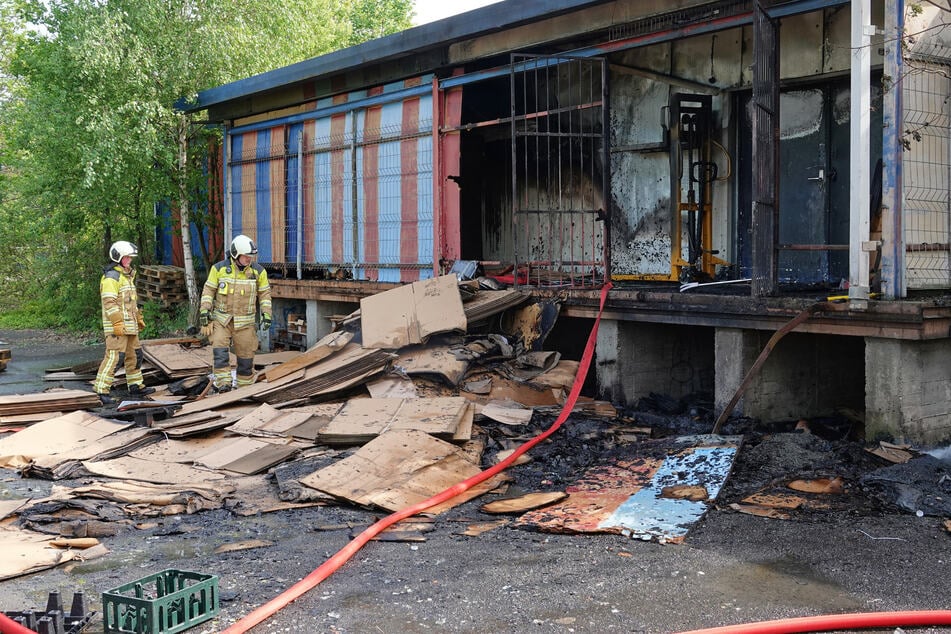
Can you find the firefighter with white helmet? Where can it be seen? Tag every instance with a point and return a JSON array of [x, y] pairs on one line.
[[235, 290], [121, 322]]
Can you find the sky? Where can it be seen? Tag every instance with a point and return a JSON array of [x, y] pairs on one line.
[[430, 10]]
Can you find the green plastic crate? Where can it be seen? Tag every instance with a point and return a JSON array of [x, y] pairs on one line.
[[163, 603]]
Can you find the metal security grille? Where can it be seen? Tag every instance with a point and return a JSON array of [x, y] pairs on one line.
[[927, 174], [367, 191], [559, 171]]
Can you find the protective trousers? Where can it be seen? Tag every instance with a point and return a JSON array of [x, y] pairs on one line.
[[125, 350], [245, 344]]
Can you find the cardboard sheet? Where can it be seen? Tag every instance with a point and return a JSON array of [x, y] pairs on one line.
[[178, 361], [129, 468], [322, 349], [112, 446], [62, 435], [190, 497], [179, 451], [267, 421], [411, 314], [23, 552], [362, 419], [392, 387], [395, 470], [347, 368], [51, 401], [246, 455]]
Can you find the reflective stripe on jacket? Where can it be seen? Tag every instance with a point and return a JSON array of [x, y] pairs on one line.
[[119, 300], [235, 293]]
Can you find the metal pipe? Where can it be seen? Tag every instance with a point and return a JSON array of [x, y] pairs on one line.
[[760, 360]]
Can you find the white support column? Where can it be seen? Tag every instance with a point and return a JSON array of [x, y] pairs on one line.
[[860, 151]]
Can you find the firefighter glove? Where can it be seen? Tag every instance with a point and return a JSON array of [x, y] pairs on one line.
[[206, 330], [205, 318], [265, 321], [141, 322], [118, 329]]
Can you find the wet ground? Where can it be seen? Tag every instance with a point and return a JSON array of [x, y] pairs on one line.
[[854, 554], [36, 351]]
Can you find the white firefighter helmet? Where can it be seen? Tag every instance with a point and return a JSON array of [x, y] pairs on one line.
[[120, 249], [243, 245]]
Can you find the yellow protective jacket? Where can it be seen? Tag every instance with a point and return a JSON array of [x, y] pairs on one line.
[[233, 293], [119, 300]]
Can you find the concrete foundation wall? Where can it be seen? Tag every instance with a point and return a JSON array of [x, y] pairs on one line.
[[804, 376], [319, 314], [635, 359], [909, 390]]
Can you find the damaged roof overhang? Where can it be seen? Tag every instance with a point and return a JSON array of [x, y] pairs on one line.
[[426, 48], [430, 38]]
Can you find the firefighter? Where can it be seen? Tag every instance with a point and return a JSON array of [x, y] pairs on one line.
[[235, 289], [122, 322]]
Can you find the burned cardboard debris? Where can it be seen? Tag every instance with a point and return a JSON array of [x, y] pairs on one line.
[[435, 360], [919, 485], [522, 503], [532, 323], [482, 305]]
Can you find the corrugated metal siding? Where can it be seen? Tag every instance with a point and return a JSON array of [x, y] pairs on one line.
[[366, 190], [259, 189]]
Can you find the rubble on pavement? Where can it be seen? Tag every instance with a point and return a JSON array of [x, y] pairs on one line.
[[455, 380]]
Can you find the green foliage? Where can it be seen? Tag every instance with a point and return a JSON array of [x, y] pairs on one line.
[[88, 130], [160, 322]]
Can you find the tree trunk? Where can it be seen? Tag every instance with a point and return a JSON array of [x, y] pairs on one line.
[[184, 217]]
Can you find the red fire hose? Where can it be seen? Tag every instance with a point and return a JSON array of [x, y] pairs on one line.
[[835, 622], [344, 554], [9, 626]]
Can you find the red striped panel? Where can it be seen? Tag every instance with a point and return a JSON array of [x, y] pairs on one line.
[[371, 186], [338, 129], [446, 205], [409, 198]]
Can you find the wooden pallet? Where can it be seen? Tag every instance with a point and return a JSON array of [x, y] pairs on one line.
[[162, 284], [162, 273]]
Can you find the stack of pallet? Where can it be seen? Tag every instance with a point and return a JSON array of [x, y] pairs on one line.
[[163, 284]]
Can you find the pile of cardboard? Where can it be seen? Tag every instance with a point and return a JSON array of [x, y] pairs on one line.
[[380, 414]]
